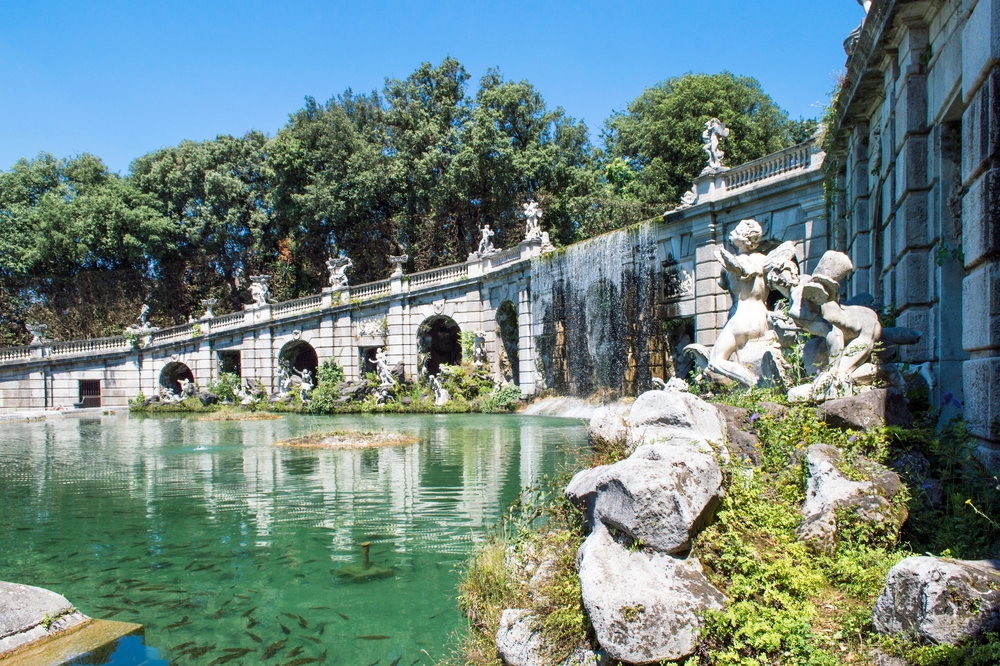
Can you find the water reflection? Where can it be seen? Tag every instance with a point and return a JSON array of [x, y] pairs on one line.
[[150, 520]]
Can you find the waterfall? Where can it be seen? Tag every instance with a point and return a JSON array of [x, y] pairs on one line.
[[594, 314]]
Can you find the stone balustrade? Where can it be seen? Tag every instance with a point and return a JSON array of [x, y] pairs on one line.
[[371, 290], [116, 343], [171, 334], [296, 306], [14, 353], [777, 164], [438, 275]]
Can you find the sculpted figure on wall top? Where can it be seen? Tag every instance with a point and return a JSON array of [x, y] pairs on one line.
[[715, 129], [338, 270]]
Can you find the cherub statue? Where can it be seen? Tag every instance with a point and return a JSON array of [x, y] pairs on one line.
[[485, 244], [744, 278], [306, 384], [338, 270], [441, 394], [533, 218], [285, 375], [714, 129]]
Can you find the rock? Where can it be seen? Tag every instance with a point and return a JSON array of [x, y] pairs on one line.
[[399, 372], [517, 642], [584, 656], [607, 429], [207, 398], [939, 600], [675, 417], [405, 400], [644, 608], [353, 390], [900, 335], [582, 490], [863, 298], [676, 384], [828, 490], [871, 409], [660, 496], [815, 355], [28, 613], [739, 432]]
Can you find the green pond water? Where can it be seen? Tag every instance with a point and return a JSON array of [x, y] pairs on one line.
[[217, 541]]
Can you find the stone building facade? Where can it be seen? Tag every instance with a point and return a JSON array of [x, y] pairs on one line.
[[915, 162]]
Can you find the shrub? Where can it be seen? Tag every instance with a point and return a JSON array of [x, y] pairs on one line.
[[227, 387], [504, 399]]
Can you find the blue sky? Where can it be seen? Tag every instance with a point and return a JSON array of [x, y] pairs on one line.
[[119, 79]]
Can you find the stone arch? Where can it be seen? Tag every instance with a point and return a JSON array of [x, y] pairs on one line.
[[438, 343], [507, 334], [172, 373], [300, 355]]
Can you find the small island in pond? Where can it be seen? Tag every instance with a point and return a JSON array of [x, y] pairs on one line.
[[346, 439]]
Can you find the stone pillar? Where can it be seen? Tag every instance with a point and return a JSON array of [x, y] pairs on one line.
[[345, 352], [914, 295], [525, 341], [395, 336], [711, 303], [981, 226], [857, 224]]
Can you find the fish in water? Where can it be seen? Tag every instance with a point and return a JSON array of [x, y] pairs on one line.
[[312, 608], [254, 637], [274, 648], [301, 661], [295, 651], [252, 623], [218, 613], [181, 646], [189, 566], [302, 622], [395, 662], [232, 655], [342, 615], [374, 662], [322, 657], [195, 653], [313, 639], [179, 623], [108, 616], [414, 661], [433, 616], [373, 637], [242, 596], [290, 616], [285, 630], [226, 603], [249, 612]]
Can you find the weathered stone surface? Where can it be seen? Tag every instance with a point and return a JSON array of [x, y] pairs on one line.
[[939, 600], [660, 496], [675, 417], [828, 490], [207, 398], [607, 428], [739, 433], [582, 490], [644, 608], [517, 643], [24, 608], [871, 409]]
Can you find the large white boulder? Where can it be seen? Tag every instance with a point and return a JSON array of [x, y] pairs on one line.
[[661, 496], [645, 608], [939, 600], [675, 417], [607, 427]]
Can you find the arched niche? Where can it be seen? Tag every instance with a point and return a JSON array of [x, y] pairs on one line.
[[172, 373], [439, 343], [507, 332], [300, 355]]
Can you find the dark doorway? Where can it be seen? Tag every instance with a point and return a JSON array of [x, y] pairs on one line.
[[438, 344], [230, 362], [90, 393]]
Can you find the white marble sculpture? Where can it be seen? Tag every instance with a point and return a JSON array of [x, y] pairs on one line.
[[168, 396], [259, 290], [485, 242], [385, 376], [441, 394], [398, 262], [533, 219], [748, 327], [285, 378], [306, 384], [715, 129], [338, 270], [479, 348], [208, 304], [37, 333]]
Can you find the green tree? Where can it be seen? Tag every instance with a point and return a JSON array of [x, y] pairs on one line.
[[659, 136]]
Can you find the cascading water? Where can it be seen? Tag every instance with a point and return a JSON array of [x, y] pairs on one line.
[[594, 314]]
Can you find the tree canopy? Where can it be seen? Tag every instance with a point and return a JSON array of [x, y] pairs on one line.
[[654, 149], [414, 168]]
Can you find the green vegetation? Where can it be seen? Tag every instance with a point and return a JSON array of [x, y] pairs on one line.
[[788, 605], [414, 168]]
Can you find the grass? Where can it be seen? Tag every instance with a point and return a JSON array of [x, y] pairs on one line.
[[349, 439]]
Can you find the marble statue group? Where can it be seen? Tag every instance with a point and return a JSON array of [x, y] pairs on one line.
[[840, 354]]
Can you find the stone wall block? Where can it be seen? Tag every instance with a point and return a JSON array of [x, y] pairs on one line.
[[981, 385], [860, 216], [981, 309], [911, 108], [914, 279], [911, 169], [981, 127], [911, 224], [980, 44], [981, 218]]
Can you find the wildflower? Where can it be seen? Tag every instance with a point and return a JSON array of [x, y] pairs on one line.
[[852, 439], [948, 397], [754, 417]]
